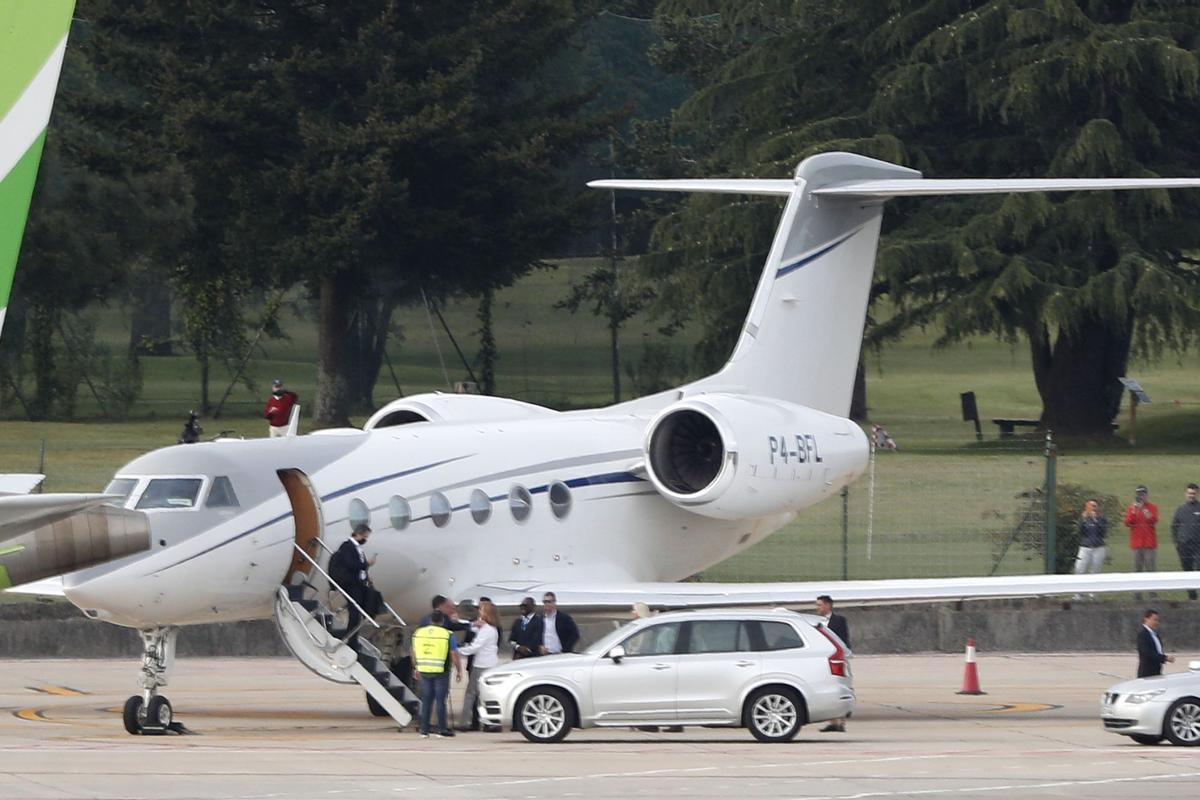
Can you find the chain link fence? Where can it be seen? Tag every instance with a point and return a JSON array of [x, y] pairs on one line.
[[981, 511]]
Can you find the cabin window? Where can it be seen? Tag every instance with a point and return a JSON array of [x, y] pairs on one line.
[[520, 502], [560, 499], [440, 509], [399, 513], [359, 513], [170, 493], [221, 495], [481, 506]]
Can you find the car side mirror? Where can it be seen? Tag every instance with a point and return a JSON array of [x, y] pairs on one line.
[[616, 654], [1194, 666]]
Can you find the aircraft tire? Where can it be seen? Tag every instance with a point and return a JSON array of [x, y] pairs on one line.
[[131, 715], [158, 714]]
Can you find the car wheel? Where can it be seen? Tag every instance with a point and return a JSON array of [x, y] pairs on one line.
[[1145, 738], [1182, 725], [543, 715], [774, 714]]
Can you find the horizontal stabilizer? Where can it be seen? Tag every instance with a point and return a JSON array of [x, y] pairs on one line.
[[20, 483], [23, 513], [620, 596], [767, 186], [920, 187]]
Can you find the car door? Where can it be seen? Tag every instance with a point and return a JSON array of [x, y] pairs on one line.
[[716, 664], [639, 687]]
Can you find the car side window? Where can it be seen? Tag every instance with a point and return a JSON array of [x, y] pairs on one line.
[[780, 636], [719, 636], [657, 640]]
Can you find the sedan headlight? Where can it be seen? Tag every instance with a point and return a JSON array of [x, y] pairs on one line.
[[499, 678], [1143, 697]]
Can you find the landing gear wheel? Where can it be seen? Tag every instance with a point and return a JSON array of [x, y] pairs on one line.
[[158, 714], [374, 707], [133, 714], [1145, 738], [774, 715], [1182, 724], [543, 715]]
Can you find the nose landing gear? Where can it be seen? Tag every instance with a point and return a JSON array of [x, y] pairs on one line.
[[150, 713]]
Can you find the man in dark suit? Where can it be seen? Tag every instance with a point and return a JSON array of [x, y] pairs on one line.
[[1151, 656], [518, 635], [840, 628], [348, 568], [552, 631]]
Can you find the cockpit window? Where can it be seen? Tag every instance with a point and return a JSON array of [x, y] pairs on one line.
[[222, 495], [170, 493], [121, 486]]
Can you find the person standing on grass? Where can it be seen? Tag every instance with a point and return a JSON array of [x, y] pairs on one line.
[[279, 408], [1141, 517], [1185, 530], [1092, 529]]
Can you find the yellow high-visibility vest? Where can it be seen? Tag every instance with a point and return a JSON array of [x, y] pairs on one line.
[[431, 647]]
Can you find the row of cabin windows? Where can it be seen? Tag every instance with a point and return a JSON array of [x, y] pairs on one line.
[[520, 504]]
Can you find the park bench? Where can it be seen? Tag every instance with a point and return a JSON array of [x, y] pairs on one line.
[[1008, 426]]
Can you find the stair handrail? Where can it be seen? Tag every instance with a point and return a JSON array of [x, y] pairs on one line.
[[292, 609], [365, 616], [317, 540]]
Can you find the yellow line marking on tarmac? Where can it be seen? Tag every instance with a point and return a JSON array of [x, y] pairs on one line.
[[35, 715], [1021, 708], [57, 691]]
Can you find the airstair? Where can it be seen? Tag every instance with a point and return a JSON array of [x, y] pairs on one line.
[[310, 628]]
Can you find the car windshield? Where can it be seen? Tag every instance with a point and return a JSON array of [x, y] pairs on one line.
[[605, 643], [172, 493], [122, 487]]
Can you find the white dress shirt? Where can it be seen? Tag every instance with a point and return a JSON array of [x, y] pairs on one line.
[[362, 559], [1154, 636], [485, 647], [550, 638]]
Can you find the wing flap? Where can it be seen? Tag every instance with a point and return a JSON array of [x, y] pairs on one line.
[[615, 596]]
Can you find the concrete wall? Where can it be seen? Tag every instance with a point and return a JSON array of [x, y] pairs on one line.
[[58, 630]]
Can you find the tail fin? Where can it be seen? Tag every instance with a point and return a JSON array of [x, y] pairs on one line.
[[33, 39], [804, 330]]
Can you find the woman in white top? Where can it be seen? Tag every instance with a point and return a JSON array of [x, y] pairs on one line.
[[485, 647]]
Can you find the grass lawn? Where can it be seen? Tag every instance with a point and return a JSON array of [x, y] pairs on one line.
[[941, 505]]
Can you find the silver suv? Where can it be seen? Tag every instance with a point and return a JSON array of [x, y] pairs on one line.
[[769, 671]]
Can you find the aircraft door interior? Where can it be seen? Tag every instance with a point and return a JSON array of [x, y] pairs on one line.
[[306, 513]]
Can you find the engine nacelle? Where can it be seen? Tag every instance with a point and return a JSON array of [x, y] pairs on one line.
[[739, 456], [439, 407]]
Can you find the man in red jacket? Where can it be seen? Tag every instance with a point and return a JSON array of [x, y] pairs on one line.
[[1141, 517], [279, 408]]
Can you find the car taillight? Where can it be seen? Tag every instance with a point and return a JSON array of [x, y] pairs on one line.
[[837, 661]]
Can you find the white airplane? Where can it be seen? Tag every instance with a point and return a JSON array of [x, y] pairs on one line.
[[472, 496]]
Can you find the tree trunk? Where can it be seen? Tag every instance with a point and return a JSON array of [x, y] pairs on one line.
[[332, 403], [150, 331], [1077, 376], [858, 399], [488, 354]]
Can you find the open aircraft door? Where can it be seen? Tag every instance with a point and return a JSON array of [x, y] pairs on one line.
[[306, 513]]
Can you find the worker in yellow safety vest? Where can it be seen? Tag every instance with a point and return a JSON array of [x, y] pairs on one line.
[[430, 645]]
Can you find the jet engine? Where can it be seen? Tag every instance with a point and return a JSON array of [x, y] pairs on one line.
[[84, 539], [739, 456]]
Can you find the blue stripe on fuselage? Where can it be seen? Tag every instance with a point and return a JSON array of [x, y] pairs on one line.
[[788, 269]]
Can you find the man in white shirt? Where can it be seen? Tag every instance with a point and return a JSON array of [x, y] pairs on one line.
[[554, 630]]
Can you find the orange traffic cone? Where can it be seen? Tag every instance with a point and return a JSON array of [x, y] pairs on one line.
[[971, 675]]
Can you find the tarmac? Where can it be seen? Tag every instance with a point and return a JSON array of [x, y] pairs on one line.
[[266, 728]]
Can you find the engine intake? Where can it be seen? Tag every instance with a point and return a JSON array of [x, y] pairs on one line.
[[745, 457]]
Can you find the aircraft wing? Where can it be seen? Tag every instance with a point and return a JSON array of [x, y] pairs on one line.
[[18, 483], [620, 596], [20, 514], [47, 587]]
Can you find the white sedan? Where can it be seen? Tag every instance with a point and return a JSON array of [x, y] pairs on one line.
[[1149, 710], [770, 671]]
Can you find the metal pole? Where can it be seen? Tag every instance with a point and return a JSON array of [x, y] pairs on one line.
[[845, 533], [1050, 542]]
